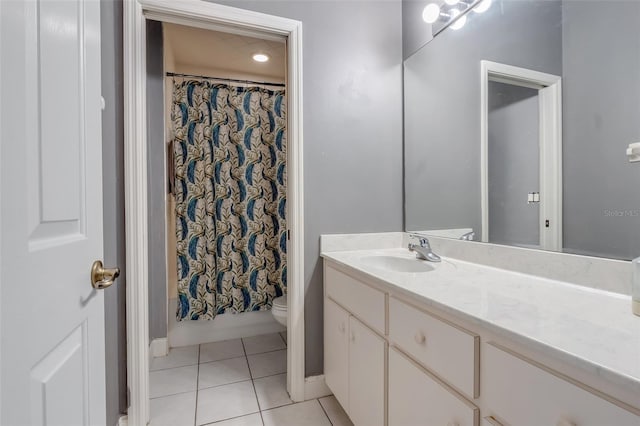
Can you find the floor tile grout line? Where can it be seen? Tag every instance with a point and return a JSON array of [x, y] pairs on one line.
[[285, 342], [195, 413], [217, 386], [280, 406], [225, 359], [226, 384], [171, 368], [255, 392], [230, 418], [244, 350], [268, 352], [286, 405], [324, 411], [172, 394]]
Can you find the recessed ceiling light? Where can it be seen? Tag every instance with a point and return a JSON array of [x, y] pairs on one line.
[[260, 57]]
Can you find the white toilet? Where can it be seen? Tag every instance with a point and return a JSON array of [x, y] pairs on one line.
[[279, 309]]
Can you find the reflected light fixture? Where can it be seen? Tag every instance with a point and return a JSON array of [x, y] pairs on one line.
[[460, 22], [431, 13], [483, 6], [448, 10], [260, 57]]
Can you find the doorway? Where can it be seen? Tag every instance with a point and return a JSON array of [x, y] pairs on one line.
[[230, 20], [521, 156]]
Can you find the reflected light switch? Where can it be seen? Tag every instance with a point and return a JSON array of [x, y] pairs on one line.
[[633, 152]]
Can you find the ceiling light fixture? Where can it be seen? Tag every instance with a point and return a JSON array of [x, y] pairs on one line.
[[431, 13], [460, 22], [483, 6], [260, 57]]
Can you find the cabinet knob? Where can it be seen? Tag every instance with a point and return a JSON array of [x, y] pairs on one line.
[[341, 327], [565, 422], [420, 338]]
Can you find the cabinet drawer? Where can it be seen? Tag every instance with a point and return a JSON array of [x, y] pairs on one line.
[[366, 303], [448, 351], [520, 393], [415, 398]]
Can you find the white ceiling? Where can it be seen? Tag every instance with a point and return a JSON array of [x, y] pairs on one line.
[[204, 49]]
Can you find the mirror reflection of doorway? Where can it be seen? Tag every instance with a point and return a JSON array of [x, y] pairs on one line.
[[514, 165], [521, 157]]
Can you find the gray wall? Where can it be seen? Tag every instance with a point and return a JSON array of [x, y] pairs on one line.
[[113, 208], [352, 129], [353, 132], [601, 86], [442, 106], [156, 183], [514, 164]]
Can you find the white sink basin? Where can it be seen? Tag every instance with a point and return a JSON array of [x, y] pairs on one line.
[[397, 264]]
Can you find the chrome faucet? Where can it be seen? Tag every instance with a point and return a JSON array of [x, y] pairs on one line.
[[469, 236], [423, 251]]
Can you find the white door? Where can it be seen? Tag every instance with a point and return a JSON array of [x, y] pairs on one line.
[[52, 320]]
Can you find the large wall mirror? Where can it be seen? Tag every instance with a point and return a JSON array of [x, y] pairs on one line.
[[517, 126]]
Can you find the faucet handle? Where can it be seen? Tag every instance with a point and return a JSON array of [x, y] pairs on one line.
[[469, 236], [422, 241]]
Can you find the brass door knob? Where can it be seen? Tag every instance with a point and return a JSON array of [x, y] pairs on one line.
[[102, 277]]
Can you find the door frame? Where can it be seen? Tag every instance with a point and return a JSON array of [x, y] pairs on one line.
[[549, 88], [202, 14]]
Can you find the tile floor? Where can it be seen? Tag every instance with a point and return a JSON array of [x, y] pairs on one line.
[[233, 383]]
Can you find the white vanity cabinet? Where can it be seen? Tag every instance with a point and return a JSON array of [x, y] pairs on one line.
[[354, 354], [391, 360]]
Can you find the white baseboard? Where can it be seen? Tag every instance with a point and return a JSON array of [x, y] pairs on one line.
[[315, 387], [223, 327], [123, 421], [159, 347]]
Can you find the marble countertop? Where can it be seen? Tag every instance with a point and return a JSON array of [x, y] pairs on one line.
[[590, 328]]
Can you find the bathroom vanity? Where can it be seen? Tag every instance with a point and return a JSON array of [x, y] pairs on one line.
[[410, 342]]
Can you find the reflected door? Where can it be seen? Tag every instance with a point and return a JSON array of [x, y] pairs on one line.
[[521, 157], [514, 165]]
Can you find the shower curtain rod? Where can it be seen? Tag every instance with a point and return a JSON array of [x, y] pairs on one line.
[[264, 83]]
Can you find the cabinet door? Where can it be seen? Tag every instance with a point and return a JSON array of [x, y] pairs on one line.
[[416, 398], [366, 375], [336, 351], [521, 393]]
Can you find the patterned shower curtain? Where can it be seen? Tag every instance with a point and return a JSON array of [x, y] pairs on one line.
[[230, 190]]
